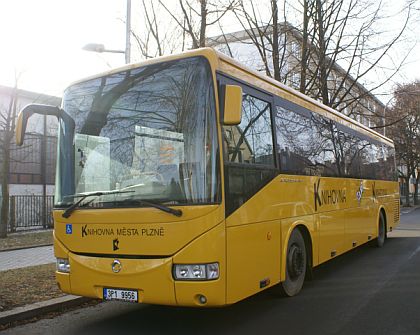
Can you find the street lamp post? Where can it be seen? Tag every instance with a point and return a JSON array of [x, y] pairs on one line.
[[128, 33], [96, 47]]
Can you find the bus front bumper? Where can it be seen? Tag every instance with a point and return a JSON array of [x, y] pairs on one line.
[[152, 278]]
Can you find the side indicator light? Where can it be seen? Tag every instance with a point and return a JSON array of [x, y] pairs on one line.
[[265, 282]]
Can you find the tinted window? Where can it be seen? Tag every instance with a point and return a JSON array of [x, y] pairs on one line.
[[309, 144], [389, 163], [251, 141], [242, 182], [306, 143], [351, 148], [151, 130], [249, 154], [378, 162]]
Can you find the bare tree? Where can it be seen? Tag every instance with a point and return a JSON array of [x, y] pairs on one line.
[[325, 49], [348, 33], [196, 17], [406, 133], [153, 40], [269, 38], [7, 131], [334, 47]]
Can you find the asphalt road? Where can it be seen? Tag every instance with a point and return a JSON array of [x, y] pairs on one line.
[[367, 291]]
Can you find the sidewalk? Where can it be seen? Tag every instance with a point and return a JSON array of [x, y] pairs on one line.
[[407, 210], [22, 258], [16, 259]]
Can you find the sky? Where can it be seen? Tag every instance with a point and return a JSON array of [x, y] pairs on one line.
[[42, 42]]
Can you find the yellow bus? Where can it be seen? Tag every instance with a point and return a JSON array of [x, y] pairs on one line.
[[191, 180]]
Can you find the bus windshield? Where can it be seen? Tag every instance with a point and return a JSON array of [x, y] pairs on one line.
[[149, 132]]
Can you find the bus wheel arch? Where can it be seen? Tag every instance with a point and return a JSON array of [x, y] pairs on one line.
[[298, 261], [309, 251]]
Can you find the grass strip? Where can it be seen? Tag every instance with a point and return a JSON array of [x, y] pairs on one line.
[[25, 286], [26, 240]]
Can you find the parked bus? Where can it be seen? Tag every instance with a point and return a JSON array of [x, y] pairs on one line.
[[192, 180]]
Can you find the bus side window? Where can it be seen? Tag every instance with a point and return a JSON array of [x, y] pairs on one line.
[[249, 153], [294, 138], [252, 140]]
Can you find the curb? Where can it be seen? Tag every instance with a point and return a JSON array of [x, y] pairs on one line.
[[31, 247], [40, 308], [408, 210]]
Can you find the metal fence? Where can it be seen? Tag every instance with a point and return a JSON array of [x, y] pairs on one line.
[[30, 212], [412, 200]]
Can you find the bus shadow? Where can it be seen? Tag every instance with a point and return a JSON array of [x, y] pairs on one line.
[[364, 254], [150, 319], [338, 280]]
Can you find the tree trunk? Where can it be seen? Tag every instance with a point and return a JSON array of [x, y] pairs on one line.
[[203, 23], [304, 57], [323, 81], [416, 190], [276, 36], [7, 133], [4, 218], [407, 190]]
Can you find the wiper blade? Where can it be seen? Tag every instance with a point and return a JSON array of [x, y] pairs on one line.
[[83, 196], [164, 208]]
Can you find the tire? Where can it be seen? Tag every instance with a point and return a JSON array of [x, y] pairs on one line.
[[296, 264], [380, 240]]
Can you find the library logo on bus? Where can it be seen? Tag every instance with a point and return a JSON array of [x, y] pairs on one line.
[[328, 196]]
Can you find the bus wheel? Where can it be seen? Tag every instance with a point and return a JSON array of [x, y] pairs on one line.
[[296, 260], [380, 241]]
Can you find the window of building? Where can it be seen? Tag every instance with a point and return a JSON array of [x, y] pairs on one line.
[[295, 49]]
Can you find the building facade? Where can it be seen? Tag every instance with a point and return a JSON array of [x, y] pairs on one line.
[[32, 166], [358, 102]]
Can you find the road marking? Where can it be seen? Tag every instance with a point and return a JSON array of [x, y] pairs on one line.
[[414, 253]]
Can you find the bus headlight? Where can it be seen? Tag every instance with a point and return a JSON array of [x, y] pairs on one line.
[[196, 271], [63, 265]]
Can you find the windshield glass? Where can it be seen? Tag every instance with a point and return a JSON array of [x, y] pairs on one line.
[[150, 131]]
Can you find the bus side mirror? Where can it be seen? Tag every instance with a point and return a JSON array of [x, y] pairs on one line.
[[31, 109], [232, 112]]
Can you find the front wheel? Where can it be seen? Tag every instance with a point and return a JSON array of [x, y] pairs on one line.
[[296, 263]]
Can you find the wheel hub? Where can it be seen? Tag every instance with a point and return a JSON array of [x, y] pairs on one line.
[[295, 261]]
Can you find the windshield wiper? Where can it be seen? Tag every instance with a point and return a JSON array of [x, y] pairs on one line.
[[83, 196], [164, 208]]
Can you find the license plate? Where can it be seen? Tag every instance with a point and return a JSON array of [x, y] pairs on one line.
[[118, 294]]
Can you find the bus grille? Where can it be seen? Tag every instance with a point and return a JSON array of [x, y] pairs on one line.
[[396, 211]]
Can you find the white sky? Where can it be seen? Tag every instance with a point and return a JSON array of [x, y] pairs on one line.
[[42, 40]]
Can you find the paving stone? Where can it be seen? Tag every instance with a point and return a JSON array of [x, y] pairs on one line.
[[26, 257]]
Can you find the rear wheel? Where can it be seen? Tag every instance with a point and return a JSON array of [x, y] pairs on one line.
[[296, 263], [380, 241]]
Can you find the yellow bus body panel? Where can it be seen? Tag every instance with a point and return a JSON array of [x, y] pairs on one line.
[[151, 277], [140, 231], [288, 202], [208, 248], [253, 258], [197, 237]]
